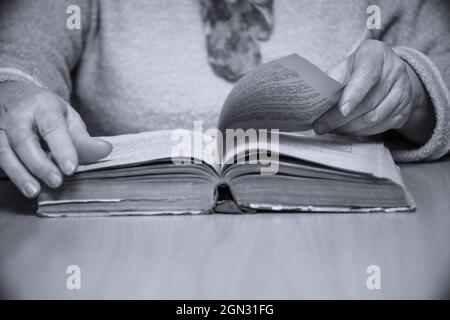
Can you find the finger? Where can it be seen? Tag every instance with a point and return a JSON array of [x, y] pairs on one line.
[[366, 72], [393, 122], [376, 119], [333, 118], [26, 145], [330, 120], [89, 149], [53, 129], [341, 71], [15, 171]]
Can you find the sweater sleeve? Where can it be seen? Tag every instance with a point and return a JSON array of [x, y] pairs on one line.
[[36, 44], [419, 32]]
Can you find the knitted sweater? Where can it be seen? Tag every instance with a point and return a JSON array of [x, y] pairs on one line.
[[142, 65]]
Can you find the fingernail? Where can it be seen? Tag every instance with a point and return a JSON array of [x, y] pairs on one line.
[[346, 108], [321, 128], [30, 190], [54, 180], [68, 167], [107, 143]]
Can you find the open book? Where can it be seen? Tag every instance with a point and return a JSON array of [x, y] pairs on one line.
[[284, 169]]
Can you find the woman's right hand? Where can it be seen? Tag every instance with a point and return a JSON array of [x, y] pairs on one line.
[[33, 120]]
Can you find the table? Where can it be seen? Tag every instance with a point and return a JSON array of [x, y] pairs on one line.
[[254, 256]]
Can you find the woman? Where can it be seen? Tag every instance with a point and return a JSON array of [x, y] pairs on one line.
[[147, 65]]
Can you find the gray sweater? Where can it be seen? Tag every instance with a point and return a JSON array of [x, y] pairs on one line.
[[142, 65]]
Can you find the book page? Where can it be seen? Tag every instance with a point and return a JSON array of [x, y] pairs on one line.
[[342, 153], [154, 146], [288, 94]]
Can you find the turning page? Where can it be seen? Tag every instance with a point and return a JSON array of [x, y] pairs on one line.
[[288, 94]]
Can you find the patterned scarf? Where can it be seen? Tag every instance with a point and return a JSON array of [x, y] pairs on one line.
[[233, 29]]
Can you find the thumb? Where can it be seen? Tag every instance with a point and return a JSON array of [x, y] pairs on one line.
[[341, 71], [89, 149]]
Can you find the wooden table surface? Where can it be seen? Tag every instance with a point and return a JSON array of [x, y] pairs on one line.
[[267, 256]]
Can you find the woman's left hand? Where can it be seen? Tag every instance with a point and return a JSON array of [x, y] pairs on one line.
[[382, 92]]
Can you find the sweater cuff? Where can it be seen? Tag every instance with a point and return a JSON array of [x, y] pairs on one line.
[[438, 145], [15, 75]]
